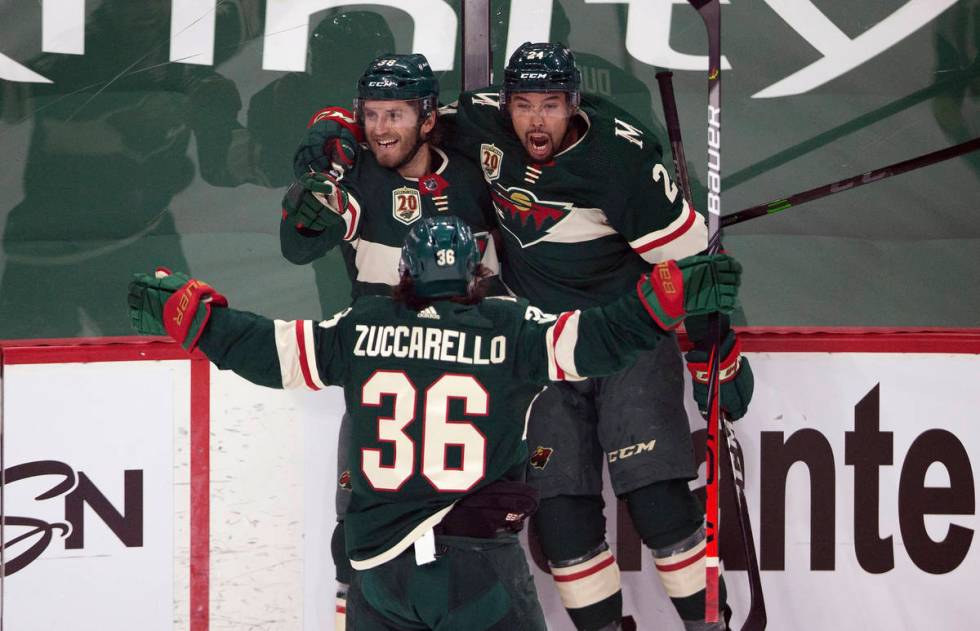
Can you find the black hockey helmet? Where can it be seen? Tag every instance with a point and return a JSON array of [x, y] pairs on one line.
[[393, 77], [441, 256], [542, 67]]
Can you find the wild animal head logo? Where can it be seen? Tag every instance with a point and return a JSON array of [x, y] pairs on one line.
[[526, 217], [541, 456]]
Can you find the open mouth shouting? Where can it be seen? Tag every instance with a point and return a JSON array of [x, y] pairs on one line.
[[538, 145]]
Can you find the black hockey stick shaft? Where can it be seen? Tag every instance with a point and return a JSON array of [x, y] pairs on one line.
[[476, 44], [666, 84], [864, 120], [875, 175]]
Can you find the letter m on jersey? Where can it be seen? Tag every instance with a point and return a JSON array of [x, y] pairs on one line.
[[630, 133]]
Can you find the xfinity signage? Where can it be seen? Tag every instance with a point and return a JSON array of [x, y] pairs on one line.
[[648, 34]]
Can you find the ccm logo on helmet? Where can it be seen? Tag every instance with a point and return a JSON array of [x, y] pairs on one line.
[[387, 83], [534, 75]]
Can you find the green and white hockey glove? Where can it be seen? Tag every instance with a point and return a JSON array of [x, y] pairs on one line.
[[695, 285], [332, 141], [307, 207], [166, 303], [734, 374]]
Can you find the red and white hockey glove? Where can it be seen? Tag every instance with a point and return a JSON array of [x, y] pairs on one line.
[[332, 142], [172, 304], [695, 285], [735, 376]]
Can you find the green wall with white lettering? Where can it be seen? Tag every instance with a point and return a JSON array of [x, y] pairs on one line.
[[133, 136]]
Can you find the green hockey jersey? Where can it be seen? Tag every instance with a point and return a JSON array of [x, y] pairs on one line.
[[384, 206], [578, 230], [439, 398]]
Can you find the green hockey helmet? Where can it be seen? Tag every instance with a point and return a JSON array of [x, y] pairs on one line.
[[441, 256], [542, 67], [392, 77]]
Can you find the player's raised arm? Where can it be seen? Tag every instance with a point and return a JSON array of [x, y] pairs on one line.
[[603, 340], [332, 142], [272, 353]]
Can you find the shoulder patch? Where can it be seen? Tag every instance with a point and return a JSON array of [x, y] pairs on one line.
[[632, 134], [490, 160]]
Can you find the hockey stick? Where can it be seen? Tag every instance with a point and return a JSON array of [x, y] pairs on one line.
[[862, 121], [773, 207], [476, 44], [756, 617], [710, 12], [674, 132]]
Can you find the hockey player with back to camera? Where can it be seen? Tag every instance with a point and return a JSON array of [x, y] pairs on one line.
[[585, 203], [367, 206], [438, 382]]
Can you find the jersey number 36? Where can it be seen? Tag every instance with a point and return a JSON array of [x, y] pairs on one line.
[[438, 432]]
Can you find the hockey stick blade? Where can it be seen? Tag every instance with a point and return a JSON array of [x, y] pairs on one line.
[[756, 618], [875, 175]]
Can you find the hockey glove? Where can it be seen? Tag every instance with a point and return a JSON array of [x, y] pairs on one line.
[[735, 376], [694, 285], [164, 303], [307, 208], [331, 142], [500, 506]]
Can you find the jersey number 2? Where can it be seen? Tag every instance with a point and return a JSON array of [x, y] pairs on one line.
[[438, 432]]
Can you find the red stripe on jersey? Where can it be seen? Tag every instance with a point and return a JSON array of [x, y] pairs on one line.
[[303, 364], [559, 327], [673, 567], [684, 227], [565, 578], [353, 219]]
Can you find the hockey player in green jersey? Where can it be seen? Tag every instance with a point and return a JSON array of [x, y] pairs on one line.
[[584, 201], [584, 204], [438, 382], [367, 206]]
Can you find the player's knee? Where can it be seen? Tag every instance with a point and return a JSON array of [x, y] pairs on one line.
[[572, 534], [338, 550], [664, 513], [551, 524]]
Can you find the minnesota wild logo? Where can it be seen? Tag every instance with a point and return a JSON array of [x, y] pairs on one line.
[[344, 480], [526, 217], [541, 456]]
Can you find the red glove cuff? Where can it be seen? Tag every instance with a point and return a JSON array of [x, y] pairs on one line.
[[727, 370], [340, 116], [187, 311], [667, 283]]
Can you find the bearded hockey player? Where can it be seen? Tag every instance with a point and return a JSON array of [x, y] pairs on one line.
[[367, 206], [584, 203], [438, 382]]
